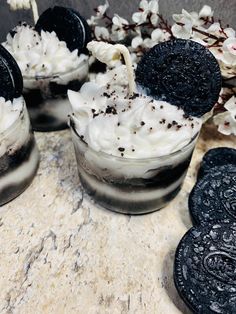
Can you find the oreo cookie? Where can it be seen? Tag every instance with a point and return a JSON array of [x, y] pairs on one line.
[[216, 157], [213, 198], [11, 81], [183, 73], [68, 24], [205, 268]]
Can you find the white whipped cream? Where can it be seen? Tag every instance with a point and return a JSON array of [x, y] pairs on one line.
[[9, 112], [139, 127], [14, 125], [108, 53], [43, 55]]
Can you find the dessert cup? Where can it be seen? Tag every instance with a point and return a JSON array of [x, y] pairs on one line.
[[19, 157], [46, 97], [129, 185]]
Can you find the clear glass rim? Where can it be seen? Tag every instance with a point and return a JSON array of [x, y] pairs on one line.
[[12, 127], [125, 159], [55, 75]]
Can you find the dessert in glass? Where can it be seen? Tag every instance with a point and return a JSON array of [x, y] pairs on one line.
[[19, 156], [132, 150], [52, 59]]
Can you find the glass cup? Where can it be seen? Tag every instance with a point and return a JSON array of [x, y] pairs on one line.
[[19, 158], [46, 98], [128, 185]]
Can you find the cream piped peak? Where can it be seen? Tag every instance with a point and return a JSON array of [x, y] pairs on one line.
[[108, 54]]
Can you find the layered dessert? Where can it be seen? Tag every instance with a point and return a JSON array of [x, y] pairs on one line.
[[133, 150], [52, 59], [19, 156]]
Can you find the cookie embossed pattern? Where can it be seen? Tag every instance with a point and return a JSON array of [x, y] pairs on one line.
[[205, 267], [205, 260]]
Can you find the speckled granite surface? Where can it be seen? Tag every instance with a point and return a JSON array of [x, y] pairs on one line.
[[60, 253]]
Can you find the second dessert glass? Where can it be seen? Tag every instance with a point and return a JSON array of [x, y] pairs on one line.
[[129, 185], [46, 97]]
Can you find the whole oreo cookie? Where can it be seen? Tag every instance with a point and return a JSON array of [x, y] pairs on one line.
[[183, 73], [217, 157], [68, 24], [205, 269], [213, 198], [11, 81]]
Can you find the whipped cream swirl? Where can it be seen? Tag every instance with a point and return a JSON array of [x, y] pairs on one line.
[[41, 55], [110, 121]]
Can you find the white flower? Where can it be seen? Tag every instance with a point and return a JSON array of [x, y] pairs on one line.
[[119, 21], [229, 52], [118, 32], [226, 121], [100, 11], [145, 9], [137, 42], [158, 35], [101, 33], [93, 20], [206, 12], [186, 21], [215, 29], [19, 4]]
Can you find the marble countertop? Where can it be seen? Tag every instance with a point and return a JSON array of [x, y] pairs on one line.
[[61, 253]]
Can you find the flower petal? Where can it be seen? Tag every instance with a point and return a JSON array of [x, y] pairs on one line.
[[154, 6], [136, 42], [206, 11]]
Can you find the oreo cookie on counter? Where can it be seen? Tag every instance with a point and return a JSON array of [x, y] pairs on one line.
[[183, 73], [11, 81], [213, 198], [68, 24], [216, 157], [205, 268]]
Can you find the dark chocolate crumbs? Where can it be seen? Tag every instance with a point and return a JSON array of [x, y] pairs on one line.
[[121, 149], [110, 109], [169, 125], [106, 95], [142, 123], [135, 95]]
